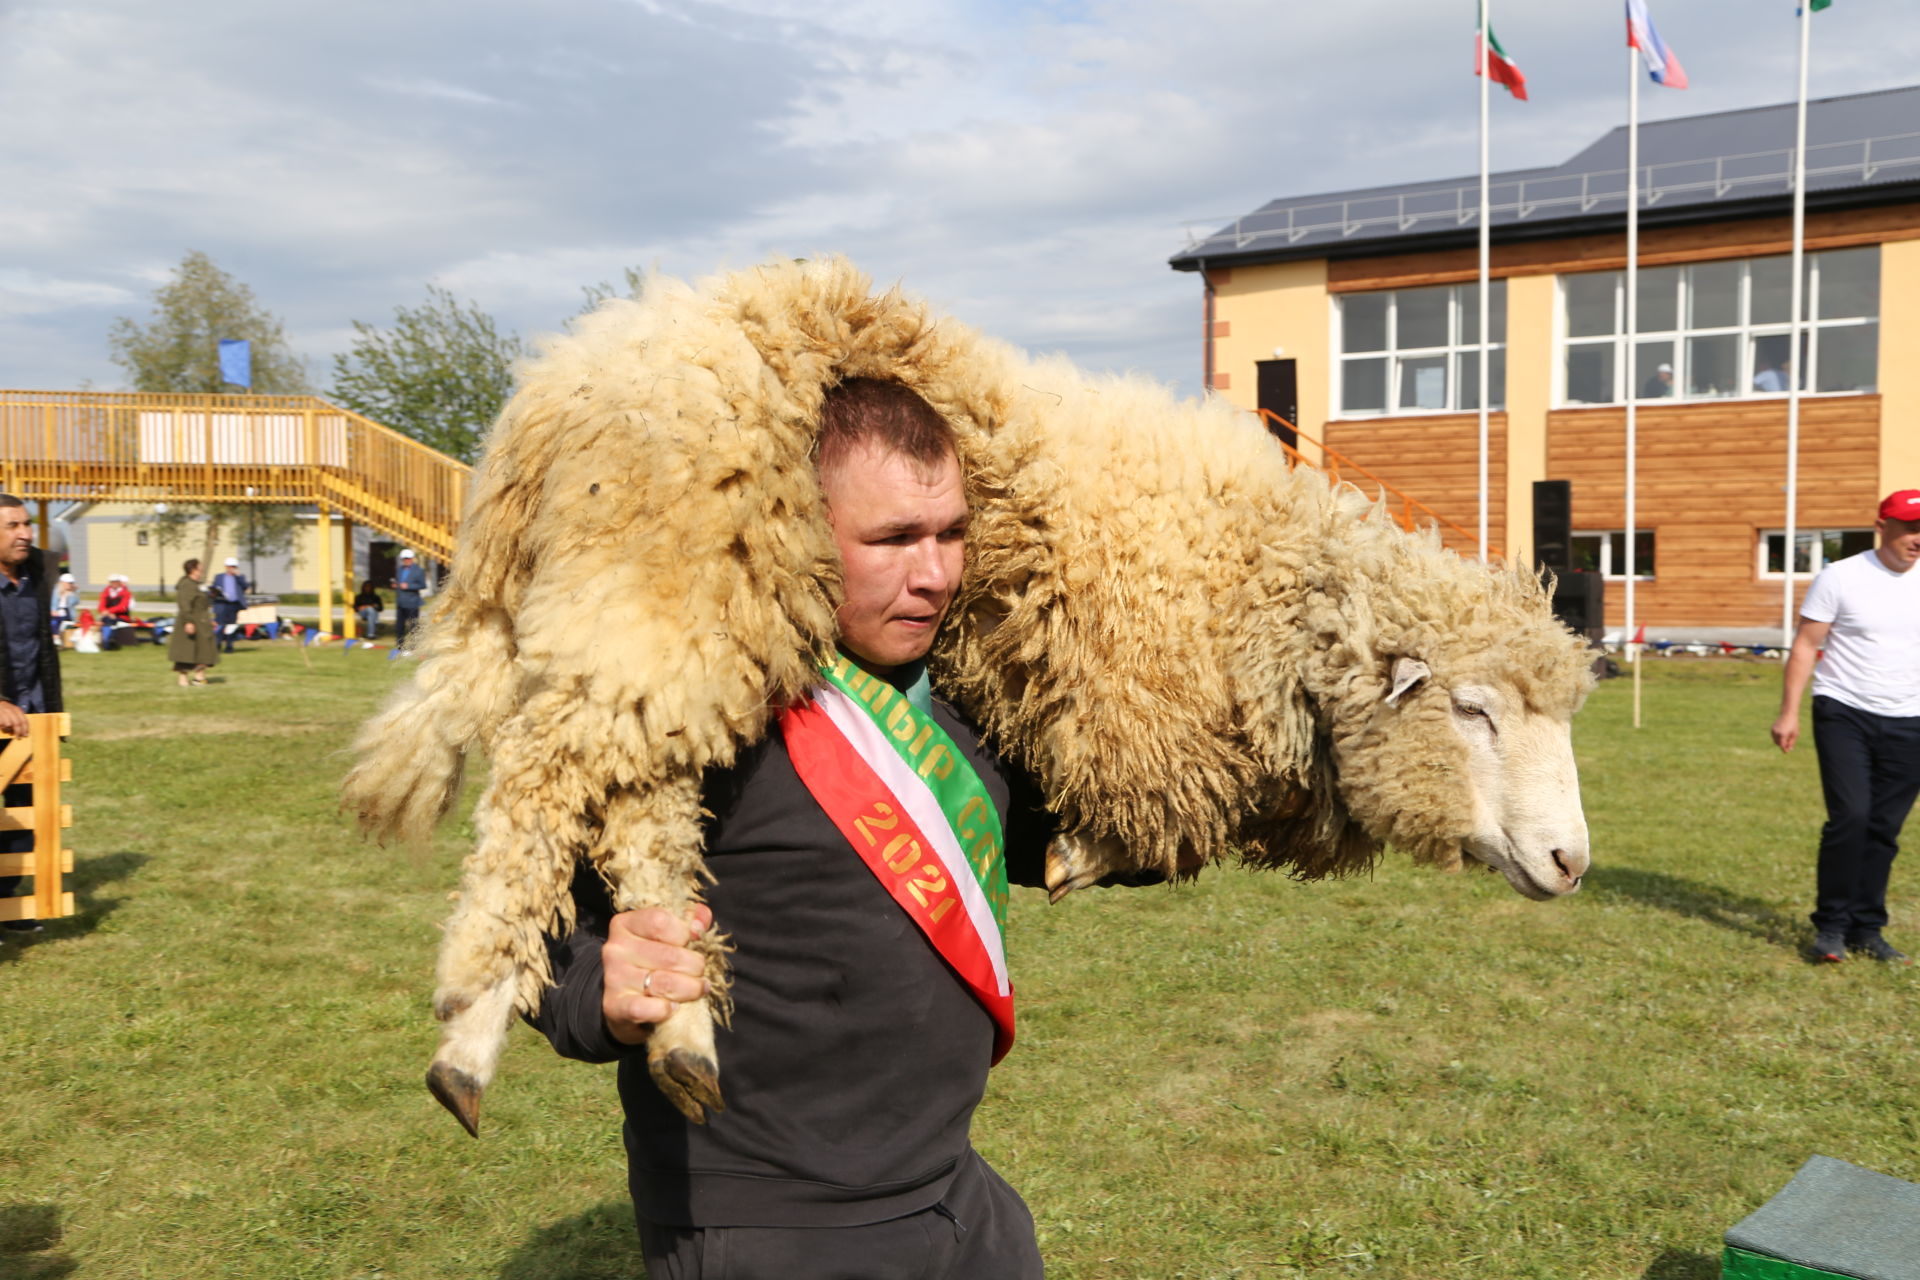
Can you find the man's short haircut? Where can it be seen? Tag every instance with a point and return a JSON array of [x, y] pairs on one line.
[[190, 565], [8, 500], [861, 411]]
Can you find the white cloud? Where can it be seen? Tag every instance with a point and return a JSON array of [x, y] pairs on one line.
[[436, 90], [1027, 163], [25, 293]]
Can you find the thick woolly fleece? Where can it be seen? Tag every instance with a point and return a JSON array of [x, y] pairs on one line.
[[1185, 639]]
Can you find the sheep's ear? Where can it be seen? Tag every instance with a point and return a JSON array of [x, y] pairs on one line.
[[1407, 672]]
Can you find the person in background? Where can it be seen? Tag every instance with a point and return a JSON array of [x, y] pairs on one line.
[[1771, 376], [29, 664], [1864, 612], [1660, 385], [193, 646], [229, 598], [368, 606], [116, 608], [409, 580], [66, 604]]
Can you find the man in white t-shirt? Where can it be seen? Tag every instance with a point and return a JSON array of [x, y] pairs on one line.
[[1864, 611]]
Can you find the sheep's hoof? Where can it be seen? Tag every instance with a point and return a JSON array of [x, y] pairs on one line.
[[690, 1081], [458, 1092], [1067, 867]]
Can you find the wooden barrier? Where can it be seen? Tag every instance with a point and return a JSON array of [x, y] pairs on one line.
[[36, 759]]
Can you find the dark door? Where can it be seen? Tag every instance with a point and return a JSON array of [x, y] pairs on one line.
[[382, 559], [1279, 392]]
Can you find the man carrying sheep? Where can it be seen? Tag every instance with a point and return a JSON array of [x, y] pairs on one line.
[[1864, 611], [868, 999]]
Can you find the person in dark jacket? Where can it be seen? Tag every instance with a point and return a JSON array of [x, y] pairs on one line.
[[229, 595], [859, 1048], [195, 643], [409, 580], [367, 606], [30, 671]]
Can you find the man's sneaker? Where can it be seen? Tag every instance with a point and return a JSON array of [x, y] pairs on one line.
[[23, 926], [1829, 948], [1880, 949]]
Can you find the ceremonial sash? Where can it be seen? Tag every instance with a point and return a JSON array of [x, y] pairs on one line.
[[912, 807]]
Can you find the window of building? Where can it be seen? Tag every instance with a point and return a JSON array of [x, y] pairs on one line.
[[1417, 350], [1717, 330], [1605, 552], [1813, 549]]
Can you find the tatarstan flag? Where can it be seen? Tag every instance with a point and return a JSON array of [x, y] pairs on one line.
[[1493, 60]]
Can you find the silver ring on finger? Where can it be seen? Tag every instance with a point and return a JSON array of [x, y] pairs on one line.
[[646, 983]]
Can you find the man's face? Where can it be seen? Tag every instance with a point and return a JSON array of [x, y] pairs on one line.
[[901, 529], [16, 536], [1899, 543]]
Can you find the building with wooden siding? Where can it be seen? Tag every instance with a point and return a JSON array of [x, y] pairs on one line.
[[1354, 314]]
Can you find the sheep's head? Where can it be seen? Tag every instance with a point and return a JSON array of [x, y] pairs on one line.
[[1493, 775]]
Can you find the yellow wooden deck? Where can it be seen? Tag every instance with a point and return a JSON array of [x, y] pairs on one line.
[[106, 446]]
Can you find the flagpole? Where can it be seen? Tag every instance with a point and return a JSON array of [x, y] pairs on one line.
[[1486, 246], [1632, 356], [1795, 367]]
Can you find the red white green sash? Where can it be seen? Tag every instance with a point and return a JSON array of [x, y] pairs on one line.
[[913, 808]]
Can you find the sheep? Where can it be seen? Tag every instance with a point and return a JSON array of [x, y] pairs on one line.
[[1198, 650]]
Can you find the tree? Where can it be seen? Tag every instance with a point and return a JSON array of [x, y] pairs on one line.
[[636, 288], [263, 529], [439, 375], [168, 528], [179, 349]]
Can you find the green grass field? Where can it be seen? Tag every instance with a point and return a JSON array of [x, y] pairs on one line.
[[214, 1070]]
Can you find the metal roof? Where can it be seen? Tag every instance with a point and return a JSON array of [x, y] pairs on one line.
[[1861, 149]]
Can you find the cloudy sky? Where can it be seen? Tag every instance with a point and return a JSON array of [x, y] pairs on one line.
[[1028, 166]]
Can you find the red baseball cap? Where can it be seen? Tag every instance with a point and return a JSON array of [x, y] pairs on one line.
[[1904, 505]]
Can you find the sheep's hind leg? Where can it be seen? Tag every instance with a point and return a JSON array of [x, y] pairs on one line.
[[469, 1050]]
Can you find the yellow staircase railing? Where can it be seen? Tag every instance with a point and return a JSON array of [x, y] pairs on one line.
[[107, 446]]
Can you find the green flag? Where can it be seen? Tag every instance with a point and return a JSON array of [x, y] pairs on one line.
[[1818, 5]]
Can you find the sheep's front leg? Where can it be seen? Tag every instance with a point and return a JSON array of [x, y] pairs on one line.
[[1076, 859], [650, 853]]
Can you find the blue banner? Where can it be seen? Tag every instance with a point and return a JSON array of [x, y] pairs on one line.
[[236, 362]]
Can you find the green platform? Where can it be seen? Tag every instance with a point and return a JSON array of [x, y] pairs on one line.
[[1738, 1264], [1833, 1220]]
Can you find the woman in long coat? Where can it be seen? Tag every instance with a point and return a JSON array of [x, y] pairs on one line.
[[194, 646]]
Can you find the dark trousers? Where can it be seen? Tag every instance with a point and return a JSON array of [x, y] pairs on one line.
[[403, 620], [225, 616], [1870, 773], [980, 1230], [17, 796]]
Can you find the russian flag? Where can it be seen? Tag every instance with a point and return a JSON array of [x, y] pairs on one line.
[[1662, 64]]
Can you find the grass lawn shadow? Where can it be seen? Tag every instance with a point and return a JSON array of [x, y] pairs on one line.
[[1683, 1264], [1753, 917], [599, 1244], [28, 1234], [89, 875]]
